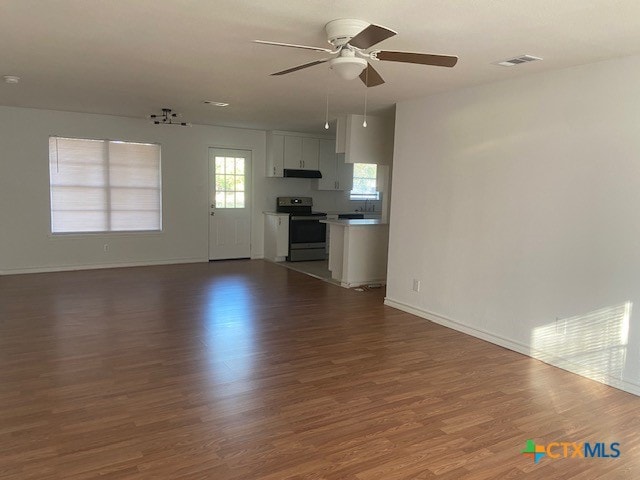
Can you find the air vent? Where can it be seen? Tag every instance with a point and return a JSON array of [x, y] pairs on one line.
[[517, 60]]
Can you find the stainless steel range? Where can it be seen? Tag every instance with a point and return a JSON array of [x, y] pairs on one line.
[[307, 236]]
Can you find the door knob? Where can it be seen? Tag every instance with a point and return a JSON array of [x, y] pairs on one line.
[[213, 213]]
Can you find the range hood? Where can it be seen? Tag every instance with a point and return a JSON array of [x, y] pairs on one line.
[[293, 173]]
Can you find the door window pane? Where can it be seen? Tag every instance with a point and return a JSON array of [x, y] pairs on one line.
[[230, 182]]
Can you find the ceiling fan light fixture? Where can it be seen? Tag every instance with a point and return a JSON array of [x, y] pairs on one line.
[[348, 68]]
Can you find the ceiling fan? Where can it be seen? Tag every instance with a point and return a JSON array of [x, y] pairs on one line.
[[350, 39]]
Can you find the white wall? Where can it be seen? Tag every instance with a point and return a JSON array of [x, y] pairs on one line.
[[25, 241], [518, 210]]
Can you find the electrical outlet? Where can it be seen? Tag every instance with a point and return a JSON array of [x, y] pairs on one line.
[[561, 326], [416, 285], [106, 247]]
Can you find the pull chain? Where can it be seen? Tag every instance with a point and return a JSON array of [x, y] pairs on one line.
[[366, 86], [326, 115]]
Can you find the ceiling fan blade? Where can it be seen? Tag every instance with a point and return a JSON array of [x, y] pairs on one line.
[[300, 67], [291, 45], [370, 36], [421, 58], [370, 77]]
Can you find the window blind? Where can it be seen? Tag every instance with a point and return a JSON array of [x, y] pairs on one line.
[[104, 186]]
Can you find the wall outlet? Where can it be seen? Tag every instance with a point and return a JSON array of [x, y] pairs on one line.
[[416, 285], [106, 247]]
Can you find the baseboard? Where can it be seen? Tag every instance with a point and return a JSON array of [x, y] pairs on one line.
[[67, 268], [556, 361], [361, 283]]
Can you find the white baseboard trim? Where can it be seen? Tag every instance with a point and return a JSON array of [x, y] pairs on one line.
[[554, 360], [360, 283], [67, 268]]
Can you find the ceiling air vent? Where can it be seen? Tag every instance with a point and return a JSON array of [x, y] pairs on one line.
[[517, 60]]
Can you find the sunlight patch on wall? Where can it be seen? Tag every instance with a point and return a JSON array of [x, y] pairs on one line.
[[593, 345]]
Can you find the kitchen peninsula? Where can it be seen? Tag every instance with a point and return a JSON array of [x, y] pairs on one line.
[[358, 251]]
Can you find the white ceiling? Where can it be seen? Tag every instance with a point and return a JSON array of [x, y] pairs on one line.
[[133, 57]]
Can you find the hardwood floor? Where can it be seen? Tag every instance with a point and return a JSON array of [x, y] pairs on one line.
[[246, 370]]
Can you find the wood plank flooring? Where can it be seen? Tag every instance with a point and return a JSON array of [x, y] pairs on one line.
[[246, 370]]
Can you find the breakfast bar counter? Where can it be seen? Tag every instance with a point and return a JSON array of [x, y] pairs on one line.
[[358, 251]]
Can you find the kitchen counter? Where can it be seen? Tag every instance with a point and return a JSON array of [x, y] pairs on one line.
[[355, 222], [350, 212], [358, 251], [271, 212]]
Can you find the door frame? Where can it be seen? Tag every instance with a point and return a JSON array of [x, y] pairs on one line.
[[208, 192]]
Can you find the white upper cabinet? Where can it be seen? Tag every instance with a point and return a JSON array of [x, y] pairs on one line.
[[336, 175], [310, 149], [370, 144], [300, 153], [275, 155], [291, 150], [345, 173]]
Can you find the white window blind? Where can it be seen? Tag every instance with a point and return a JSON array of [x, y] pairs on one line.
[[104, 186]]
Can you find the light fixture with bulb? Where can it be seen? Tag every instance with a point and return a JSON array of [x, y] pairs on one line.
[[347, 65]]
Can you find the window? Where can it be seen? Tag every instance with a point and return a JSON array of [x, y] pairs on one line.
[[229, 182], [364, 182], [104, 186]]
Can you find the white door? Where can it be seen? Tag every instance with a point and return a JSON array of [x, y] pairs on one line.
[[230, 204]]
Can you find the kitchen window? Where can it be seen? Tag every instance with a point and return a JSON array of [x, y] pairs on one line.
[[104, 186], [365, 182]]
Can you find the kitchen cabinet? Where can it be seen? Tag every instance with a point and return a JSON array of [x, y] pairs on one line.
[[310, 151], [370, 144], [276, 236], [301, 153], [336, 174], [275, 155], [345, 173], [292, 150]]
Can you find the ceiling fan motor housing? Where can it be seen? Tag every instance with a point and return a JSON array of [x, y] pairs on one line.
[[339, 32]]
